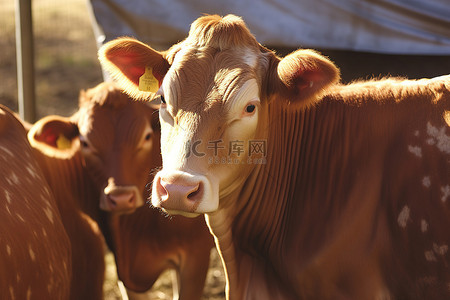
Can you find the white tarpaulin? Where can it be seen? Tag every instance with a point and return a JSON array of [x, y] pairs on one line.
[[385, 26]]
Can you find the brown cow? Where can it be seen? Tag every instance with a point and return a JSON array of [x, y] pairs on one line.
[[118, 140], [313, 190], [35, 256]]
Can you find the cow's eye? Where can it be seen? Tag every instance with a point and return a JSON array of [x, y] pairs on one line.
[[250, 108], [159, 99], [148, 136], [84, 144]]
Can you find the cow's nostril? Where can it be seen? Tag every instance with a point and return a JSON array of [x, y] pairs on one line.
[[162, 192], [196, 194]]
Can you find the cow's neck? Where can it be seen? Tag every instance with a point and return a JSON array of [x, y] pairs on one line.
[[285, 211], [294, 209], [254, 222], [69, 176]]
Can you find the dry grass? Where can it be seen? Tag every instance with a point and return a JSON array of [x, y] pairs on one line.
[[66, 62]]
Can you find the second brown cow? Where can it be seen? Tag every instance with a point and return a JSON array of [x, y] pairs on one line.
[[118, 143]]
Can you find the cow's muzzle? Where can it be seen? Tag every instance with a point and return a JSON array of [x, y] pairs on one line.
[[180, 192], [121, 199]]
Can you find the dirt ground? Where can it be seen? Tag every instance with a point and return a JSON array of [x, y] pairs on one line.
[[65, 63]]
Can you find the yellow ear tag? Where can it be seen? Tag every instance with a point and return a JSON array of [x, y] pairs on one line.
[[63, 143], [148, 82]]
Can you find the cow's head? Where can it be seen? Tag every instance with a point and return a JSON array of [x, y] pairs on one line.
[[215, 87], [118, 139]]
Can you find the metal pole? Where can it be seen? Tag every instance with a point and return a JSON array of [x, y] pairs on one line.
[[25, 60]]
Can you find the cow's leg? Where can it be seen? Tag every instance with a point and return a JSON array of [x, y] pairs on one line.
[[192, 275]]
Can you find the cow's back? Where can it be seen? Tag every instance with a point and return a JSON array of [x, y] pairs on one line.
[[35, 250], [416, 191], [391, 158]]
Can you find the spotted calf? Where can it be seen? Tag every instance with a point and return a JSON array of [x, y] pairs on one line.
[[35, 255]]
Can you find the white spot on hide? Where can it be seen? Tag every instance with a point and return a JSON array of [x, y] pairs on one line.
[[6, 150], [31, 252], [20, 218], [403, 217], [416, 150], [29, 293], [439, 136], [44, 197], [424, 226], [416, 133], [32, 172], [49, 214], [8, 197], [47, 192], [445, 193], [429, 256], [426, 181], [7, 209], [14, 178], [440, 250]]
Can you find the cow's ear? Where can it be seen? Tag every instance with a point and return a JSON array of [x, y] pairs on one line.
[[136, 67], [301, 77], [55, 137]]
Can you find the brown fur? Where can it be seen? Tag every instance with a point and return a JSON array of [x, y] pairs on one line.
[[349, 203], [70, 183], [221, 33], [144, 242], [35, 250]]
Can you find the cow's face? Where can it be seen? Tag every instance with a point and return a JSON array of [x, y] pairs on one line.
[[210, 109], [120, 145], [215, 88], [118, 140]]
